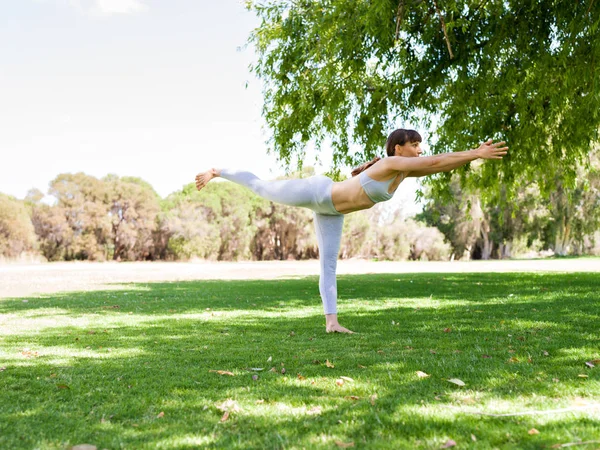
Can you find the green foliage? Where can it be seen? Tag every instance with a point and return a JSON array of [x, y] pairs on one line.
[[112, 218], [347, 71], [132, 206], [486, 227], [17, 235], [377, 234]]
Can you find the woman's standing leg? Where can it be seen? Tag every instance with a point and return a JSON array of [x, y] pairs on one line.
[[329, 236]]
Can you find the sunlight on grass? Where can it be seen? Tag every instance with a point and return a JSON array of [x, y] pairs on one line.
[[101, 367]]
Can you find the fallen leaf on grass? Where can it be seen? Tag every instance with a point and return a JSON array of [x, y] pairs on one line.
[[514, 359], [160, 414], [228, 406], [473, 438], [360, 366], [347, 379], [2, 369], [62, 386], [485, 356], [256, 369], [422, 374], [300, 377], [255, 377], [223, 372], [581, 375], [27, 353], [447, 330], [433, 352], [84, 447], [373, 398], [533, 431], [339, 382], [545, 353], [590, 364], [352, 397], [315, 410], [260, 401], [449, 443], [328, 364], [457, 382], [344, 444]]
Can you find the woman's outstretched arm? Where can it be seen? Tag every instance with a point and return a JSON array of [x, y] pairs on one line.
[[427, 165]]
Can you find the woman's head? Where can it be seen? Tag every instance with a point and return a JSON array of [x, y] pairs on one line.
[[399, 140]]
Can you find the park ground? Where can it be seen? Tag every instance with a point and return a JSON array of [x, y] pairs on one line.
[[493, 354]]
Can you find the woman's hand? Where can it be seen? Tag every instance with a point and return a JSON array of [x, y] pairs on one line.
[[491, 150]]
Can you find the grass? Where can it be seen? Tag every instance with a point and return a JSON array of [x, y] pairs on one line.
[[132, 368]]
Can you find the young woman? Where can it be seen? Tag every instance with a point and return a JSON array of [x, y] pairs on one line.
[[376, 182]]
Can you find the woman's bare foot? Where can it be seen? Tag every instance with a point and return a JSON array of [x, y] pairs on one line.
[[332, 325], [203, 178]]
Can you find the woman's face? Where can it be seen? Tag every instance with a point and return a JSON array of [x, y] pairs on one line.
[[410, 149]]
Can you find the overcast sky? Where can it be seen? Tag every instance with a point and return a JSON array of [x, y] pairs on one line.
[[148, 88]]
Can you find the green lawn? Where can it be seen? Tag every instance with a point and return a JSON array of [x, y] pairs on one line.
[[132, 368]]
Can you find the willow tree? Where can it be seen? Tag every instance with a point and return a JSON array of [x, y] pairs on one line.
[[346, 72]]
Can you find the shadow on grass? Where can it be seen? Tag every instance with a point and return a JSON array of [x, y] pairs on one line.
[[109, 362]]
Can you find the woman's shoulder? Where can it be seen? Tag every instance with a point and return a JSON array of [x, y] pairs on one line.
[[384, 167]]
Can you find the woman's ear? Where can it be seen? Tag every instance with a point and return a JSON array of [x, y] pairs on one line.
[[397, 149]]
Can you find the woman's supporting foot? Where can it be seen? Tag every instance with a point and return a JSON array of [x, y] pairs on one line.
[[332, 325], [203, 178]]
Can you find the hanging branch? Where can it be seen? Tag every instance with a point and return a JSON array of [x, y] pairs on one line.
[[590, 7], [399, 16], [444, 29]]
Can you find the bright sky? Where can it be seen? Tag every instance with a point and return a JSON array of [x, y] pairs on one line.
[[148, 88]]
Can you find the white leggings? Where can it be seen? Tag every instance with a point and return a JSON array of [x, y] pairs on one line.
[[313, 193]]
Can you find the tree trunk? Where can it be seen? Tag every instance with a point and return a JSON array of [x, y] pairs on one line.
[[563, 240], [486, 250]]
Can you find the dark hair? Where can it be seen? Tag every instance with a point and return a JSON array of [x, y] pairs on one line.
[[396, 137]]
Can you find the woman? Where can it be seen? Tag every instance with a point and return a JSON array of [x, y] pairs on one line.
[[376, 182]]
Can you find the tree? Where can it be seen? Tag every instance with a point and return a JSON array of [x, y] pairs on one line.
[[51, 227], [563, 222], [17, 235], [83, 201], [348, 70], [133, 207]]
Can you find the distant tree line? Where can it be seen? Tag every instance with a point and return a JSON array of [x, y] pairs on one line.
[[124, 219]]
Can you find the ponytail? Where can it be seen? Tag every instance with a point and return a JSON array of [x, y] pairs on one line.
[[365, 166]]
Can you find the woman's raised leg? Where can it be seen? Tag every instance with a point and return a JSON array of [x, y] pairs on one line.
[[298, 192]]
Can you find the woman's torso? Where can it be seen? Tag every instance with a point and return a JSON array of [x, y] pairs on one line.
[[349, 195]]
